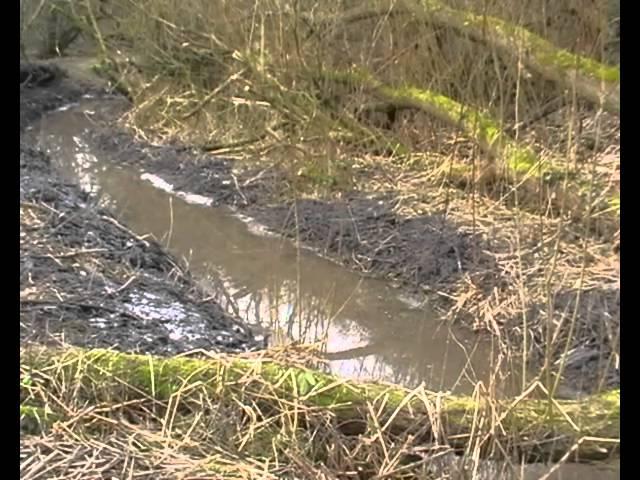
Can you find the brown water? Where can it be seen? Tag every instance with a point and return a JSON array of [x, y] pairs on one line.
[[369, 330]]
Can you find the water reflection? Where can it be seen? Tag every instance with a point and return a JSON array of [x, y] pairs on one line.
[[366, 328]]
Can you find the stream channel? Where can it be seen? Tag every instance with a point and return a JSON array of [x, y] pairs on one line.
[[368, 329]]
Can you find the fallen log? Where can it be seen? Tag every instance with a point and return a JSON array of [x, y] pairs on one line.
[[477, 125], [593, 81], [587, 429]]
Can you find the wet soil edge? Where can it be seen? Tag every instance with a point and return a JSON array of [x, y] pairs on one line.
[[86, 279]]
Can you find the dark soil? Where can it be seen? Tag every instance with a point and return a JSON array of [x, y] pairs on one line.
[[87, 280], [418, 253]]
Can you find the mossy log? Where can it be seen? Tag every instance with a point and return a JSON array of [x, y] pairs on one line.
[[479, 126], [593, 81], [300, 108], [535, 428]]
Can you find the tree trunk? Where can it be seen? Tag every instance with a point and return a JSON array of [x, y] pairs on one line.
[[534, 428], [593, 81], [477, 125]]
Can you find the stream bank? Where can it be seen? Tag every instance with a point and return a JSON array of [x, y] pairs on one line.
[[424, 254], [83, 270], [87, 279]]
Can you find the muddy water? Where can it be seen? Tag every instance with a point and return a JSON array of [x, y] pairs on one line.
[[368, 329]]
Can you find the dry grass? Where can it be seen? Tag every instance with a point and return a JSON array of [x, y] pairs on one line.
[[107, 414], [240, 78]]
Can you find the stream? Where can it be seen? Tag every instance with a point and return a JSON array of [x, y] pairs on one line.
[[369, 330]]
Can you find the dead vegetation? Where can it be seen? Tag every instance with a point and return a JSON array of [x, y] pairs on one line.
[[251, 417], [285, 73], [265, 82]]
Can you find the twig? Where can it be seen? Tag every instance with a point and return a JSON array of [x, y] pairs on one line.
[[235, 182], [217, 90], [73, 254], [125, 229]]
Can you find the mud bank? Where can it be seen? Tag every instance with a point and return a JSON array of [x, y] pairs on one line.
[[428, 256], [87, 280], [424, 254]]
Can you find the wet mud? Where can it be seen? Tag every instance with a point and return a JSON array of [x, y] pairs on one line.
[[359, 231], [86, 279]]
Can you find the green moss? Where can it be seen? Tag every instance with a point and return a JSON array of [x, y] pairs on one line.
[[104, 67], [547, 54], [543, 51], [167, 376], [105, 376], [615, 203], [598, 416], [440, 101], [34, 420], [39, 413], [522, 161], [478, 125]]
